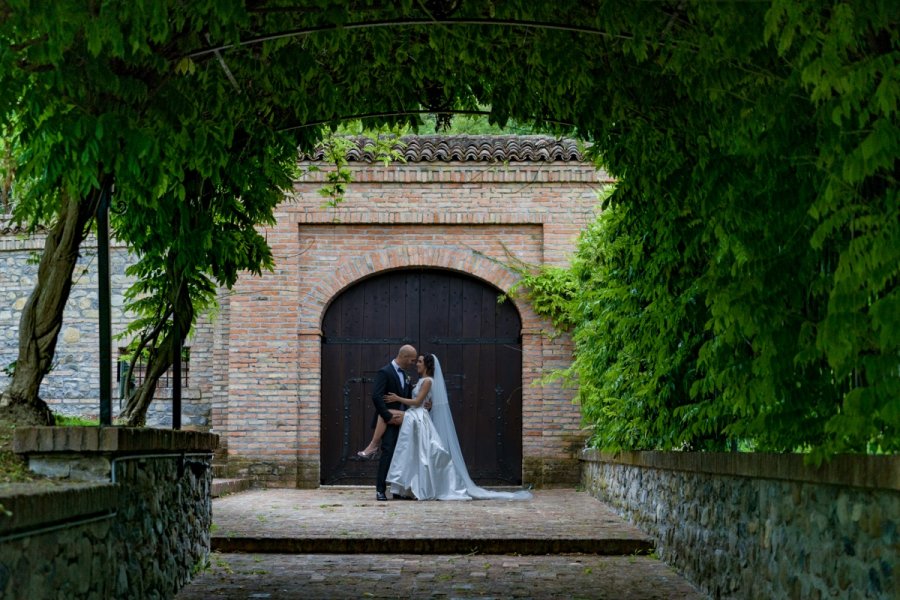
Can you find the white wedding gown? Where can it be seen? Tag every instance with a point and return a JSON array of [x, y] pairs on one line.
[[422, 467], [428, 463]]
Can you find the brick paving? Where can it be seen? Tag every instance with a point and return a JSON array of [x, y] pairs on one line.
[[338, 542], [349, 519]]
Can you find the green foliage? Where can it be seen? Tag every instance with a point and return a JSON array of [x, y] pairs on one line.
[[65, 421], [550, 290], [741, 288], [383, 143], [463, 124]]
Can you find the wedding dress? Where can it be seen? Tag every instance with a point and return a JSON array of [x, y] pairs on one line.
[[428, 463], [422, 467]]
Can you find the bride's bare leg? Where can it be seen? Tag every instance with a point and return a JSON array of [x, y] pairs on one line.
[[375, 444]]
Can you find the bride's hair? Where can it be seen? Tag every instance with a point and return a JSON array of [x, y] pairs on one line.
[[428, 359]]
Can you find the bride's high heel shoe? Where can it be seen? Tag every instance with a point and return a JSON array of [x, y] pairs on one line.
[[366, 456]]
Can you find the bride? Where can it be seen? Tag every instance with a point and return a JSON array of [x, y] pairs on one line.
[[428, 463]]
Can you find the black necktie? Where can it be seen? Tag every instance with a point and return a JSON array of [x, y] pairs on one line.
[[402, 374]]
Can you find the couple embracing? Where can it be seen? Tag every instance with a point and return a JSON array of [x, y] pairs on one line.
[[420, 453]]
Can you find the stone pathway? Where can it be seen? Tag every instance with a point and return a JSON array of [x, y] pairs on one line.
[[349, 519], [338, 542]]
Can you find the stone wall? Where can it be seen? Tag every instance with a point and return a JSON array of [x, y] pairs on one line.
[[138, 529], [72, 386], [762, 526]]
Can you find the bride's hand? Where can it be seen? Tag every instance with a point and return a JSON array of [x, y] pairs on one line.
[[391, 397]]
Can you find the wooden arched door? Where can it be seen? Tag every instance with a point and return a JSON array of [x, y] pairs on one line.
[[452, 315]]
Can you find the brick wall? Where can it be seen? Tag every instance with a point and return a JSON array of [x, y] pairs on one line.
[[469, 217]]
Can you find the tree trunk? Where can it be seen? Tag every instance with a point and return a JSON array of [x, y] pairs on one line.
[[135, 413], [43, 313]]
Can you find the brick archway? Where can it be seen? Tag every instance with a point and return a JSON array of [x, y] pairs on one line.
[[462, 214], [490, 271], [315, 301]]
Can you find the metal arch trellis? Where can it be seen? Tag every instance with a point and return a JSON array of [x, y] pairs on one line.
[[402, 113], [104, 207], [217, 50], [306, 31]]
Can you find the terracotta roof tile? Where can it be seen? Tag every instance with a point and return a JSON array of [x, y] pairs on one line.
[[472, 148], [6, 225]]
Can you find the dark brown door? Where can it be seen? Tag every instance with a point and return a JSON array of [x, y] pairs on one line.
[[477, 340]]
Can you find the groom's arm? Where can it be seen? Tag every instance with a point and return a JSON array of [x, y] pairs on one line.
[[378, 396]]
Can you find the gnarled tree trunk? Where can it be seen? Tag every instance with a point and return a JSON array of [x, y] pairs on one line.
[[42, 316]]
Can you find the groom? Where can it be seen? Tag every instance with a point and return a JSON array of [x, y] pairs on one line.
[[392, 377]]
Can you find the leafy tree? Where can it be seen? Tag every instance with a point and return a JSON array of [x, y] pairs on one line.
[[96, 99], [213, 238], [128, 97]]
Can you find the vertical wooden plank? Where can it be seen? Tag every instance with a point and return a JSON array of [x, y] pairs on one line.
[[473, 394], [452, 355], [395, 304], [413, 307], [487, 425], [330, 409], [355, 406], [452, 362], [509, 375], [433, 313]]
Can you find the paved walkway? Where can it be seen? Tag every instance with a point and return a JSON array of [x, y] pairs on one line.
[[338, 542]]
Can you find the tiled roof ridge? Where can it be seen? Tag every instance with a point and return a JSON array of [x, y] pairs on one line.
[[7, 227], [441, 148], [470, 148]]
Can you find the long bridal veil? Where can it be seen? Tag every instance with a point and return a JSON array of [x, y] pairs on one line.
[[443, 422]]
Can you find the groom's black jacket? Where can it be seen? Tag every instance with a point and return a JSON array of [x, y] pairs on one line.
[[387, 381]]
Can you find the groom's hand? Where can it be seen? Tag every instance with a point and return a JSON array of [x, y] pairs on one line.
[[396, 417], [428, 404]]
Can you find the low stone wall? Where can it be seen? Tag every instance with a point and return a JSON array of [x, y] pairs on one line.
[[128, 515], [762, 526]]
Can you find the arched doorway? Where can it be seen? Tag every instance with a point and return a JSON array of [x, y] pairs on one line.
[[452, 315]]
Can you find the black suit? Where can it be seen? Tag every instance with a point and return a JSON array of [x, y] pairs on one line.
[[386, 381]]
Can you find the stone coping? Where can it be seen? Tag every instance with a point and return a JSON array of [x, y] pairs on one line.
[[864, 471], [111, 440], [42, 504]]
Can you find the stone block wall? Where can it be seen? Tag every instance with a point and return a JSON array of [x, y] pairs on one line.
[[138, 529], [762, 526], [72, 386], [58, 541]]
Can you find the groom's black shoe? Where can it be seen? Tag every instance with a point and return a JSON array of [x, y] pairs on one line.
[[380, 496], [399, 497]]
